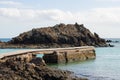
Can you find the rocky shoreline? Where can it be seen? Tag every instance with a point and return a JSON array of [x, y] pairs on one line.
[[35, 69]]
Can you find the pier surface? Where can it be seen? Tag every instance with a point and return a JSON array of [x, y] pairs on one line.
[[42, 51], [28, 53]]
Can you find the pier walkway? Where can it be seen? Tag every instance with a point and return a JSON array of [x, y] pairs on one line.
[[42, 51]]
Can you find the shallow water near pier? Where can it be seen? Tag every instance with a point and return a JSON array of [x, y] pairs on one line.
[[106, 66]]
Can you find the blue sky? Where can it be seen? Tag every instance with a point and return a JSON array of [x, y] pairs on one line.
[[100, 16]]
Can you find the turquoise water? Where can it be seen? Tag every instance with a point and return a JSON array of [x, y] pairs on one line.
[[106, 66], [7, 50], [5, 39]]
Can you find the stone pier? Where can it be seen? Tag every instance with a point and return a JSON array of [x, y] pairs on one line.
[[54, 55], [71, 55]]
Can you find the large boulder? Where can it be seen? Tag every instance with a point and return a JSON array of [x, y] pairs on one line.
[[38, 61], [61, 34]]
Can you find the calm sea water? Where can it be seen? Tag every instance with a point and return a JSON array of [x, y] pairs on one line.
[[106, 66], [5, 39]]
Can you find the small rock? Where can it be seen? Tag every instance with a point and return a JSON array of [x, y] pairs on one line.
[[38, 61]]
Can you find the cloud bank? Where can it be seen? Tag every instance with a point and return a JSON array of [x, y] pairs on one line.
[[95, 19], [97, 15]]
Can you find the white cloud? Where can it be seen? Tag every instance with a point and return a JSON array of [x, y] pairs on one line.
[[29, 14], [102, 15], [10, 3], [105, 21], [9, 12]]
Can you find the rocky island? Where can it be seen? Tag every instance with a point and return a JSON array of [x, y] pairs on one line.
[[60, 35]]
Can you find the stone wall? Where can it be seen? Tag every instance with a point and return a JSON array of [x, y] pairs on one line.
[[72, 55], [58, 55], [26, 57]]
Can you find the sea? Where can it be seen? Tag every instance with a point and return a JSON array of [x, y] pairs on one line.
[[106, 66]]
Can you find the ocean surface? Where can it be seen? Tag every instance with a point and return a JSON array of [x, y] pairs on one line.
[[5, 39], [106, 66]]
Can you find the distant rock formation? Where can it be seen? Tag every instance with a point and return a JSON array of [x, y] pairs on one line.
[[61, 35], [111, 41]]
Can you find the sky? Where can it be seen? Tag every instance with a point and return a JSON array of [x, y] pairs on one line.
[[100, 16]]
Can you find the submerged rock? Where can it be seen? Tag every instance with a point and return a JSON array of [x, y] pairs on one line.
[[112, 41], [60, 35]]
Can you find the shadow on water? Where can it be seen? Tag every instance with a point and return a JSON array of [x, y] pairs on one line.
[[73, 67], [70, 63]]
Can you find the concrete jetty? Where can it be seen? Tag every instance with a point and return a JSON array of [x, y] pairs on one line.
[[27, 55]]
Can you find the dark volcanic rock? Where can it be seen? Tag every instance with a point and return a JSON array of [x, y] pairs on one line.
[[58, 35], [38, 61], [111, 41], [19, 70]]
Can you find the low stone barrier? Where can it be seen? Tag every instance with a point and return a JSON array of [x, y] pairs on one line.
[[71, 55], [55, 55], [26, 57]]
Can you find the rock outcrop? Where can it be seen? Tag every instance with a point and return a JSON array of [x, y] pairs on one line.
[[60, 35], [112, 41], [20, 70]]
